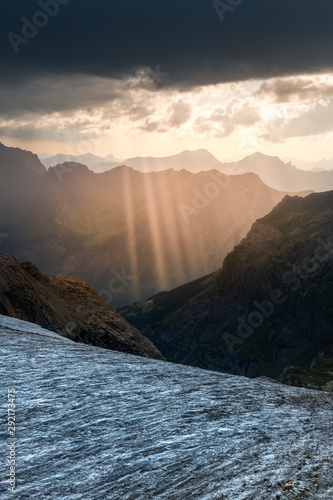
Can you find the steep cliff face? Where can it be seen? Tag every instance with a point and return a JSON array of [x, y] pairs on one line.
[[270, 306], [68, 307]]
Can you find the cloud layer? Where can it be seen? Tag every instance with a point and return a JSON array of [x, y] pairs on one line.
[[248, 73], [257, 39], [85, 107]]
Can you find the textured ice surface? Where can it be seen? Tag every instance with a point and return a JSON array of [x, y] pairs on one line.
[[97, 424], [24, 326]]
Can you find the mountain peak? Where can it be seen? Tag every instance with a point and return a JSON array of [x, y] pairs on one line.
[[193, 161], [261, 156], [68, 168], [88, 159]]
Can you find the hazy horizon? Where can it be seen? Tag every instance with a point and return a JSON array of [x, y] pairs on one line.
[[305, 165]]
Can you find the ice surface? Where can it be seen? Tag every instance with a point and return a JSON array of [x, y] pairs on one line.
[[97, 424], [25, 327]]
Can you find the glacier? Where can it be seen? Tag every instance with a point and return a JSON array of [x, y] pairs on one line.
[[98, 424]]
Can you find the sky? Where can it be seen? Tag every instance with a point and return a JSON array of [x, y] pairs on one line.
[[156, 77]]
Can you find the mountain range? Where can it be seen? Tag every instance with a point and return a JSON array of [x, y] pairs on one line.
[[130, 234], [193, 161], [96, 163], [280, 175], [127, 234], [268, 311], [316, 166]]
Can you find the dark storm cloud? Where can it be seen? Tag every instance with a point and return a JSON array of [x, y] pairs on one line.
[[257, 39], [58, 93], [32, 132]]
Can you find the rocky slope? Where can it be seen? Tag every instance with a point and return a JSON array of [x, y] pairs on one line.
[[68, 307], [268, 311]]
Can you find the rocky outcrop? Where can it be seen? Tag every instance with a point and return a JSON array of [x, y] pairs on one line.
[[68, 307], [328, 387]]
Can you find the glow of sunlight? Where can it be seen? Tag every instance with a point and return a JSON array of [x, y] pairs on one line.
[[184, 249], [170, 224], [130, 225], [141, 121], [154, 227], [169, 232]]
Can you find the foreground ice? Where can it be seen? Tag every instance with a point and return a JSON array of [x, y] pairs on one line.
[[97, 424], [24, 326]]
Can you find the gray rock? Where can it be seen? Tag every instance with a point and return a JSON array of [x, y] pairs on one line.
[[328, 387]]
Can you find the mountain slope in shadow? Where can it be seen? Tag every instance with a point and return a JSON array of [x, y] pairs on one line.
[[267, 310]]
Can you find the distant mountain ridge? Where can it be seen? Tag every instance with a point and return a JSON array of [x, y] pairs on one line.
[[95, 163], [272, 170], [315, 166], [279, 175], [193, 161]]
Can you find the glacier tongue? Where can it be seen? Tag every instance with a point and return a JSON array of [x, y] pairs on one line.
[[97, 424]]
